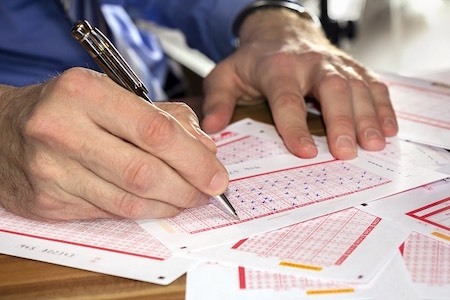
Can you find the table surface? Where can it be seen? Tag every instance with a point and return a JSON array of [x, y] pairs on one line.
[[27, 279]]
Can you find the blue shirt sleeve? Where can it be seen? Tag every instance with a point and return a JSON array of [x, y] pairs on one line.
[[36, 44], [206, 24]]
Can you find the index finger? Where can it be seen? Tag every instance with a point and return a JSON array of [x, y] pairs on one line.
[[127, 116], [289, 113], [220, 98]]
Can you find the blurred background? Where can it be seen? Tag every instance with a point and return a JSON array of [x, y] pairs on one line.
[[408, 37]]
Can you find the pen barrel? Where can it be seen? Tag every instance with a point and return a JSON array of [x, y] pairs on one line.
[[108, 58]]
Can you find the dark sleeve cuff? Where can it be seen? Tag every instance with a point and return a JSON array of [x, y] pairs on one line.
[[259, 4]]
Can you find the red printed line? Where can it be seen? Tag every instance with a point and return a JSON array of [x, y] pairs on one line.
[[402, 248], [242, 283], [358, 241], [424, 218], [234, 141], [430, 222], [423, 120], [79, 244], [282, 170], [428, 206], [238, 244]]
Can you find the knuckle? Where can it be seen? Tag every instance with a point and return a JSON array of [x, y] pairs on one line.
[[128, 206], [137, 176], [313, 57], [182, 109], [290, 99], [156, 130], [71, 82], [335, 82], [357, 83], [366, 120], [343, 121], [44, 122]]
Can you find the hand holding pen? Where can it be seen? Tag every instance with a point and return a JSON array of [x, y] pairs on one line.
[[112, 63], [79, 146]]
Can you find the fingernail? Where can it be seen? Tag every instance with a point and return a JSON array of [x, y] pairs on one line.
[[390, 122], [307, 142], [372, 133], [219, 182], [344, 142]]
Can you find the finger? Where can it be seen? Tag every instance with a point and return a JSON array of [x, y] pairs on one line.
[[81, 194], [289, 113], [383, 106], [133, 170], [116, 201], [127, 116], [220, 99], [189, 120], [335, 97], [381, 98], [368, 131]]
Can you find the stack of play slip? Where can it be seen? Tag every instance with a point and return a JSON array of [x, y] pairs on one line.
[[393, 247], [373, 227]]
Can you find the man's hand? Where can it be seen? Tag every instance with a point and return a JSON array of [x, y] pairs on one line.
[[284, 58], [81, 147]]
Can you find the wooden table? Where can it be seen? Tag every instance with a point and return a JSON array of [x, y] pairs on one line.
[[27, 279]]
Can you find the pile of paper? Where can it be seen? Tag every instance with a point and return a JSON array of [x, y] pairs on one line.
[[374, 227]]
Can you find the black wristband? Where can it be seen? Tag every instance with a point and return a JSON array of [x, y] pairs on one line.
[[255, 5]]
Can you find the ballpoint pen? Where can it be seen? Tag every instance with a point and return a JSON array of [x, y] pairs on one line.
[[114, 65]]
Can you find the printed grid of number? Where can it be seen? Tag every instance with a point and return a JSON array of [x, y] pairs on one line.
[[280, 191], [256, 280], [427, 259], [324, 241], [123, 236], [249, 148]]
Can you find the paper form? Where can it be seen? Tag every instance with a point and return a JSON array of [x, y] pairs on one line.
[[425, 210], [255, 140], [404, 152], [348, 245], [422, 110], [278, 191], [115, 247], [428, 263], [218, 281]]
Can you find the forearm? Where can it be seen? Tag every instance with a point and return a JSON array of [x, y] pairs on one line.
[[264, 25]]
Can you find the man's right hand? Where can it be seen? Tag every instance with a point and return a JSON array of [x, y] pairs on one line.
[[79, 147]]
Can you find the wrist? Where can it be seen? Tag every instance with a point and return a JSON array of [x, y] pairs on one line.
[[268, 8], [275, 27]]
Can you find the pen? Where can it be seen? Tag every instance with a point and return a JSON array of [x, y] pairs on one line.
[[114, 65]]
